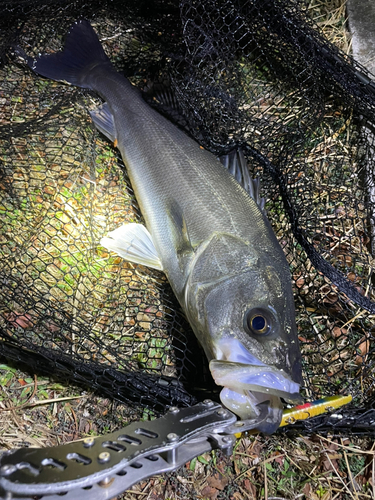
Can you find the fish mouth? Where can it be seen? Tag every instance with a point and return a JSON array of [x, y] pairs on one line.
[[247, 385], [259, 378]]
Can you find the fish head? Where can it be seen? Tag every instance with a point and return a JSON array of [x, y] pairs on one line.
[[240, 304]]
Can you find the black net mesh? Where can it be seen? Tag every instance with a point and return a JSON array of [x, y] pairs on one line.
[[255, 74]]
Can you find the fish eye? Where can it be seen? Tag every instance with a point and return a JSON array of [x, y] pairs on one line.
[[257, 321]]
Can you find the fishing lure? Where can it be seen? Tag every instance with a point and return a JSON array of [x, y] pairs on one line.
[[313, 409]]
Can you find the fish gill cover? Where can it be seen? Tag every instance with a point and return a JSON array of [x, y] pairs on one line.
[[255, 74]]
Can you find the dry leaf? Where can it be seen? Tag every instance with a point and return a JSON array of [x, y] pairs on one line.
[[22, 320], [52, 327], [330, 465], [236, 496], [352, 277], [333, 446], [309, 493], [300, 282], [304, 339], [363, 349], [48, 190], [279, 459], [301, 455], [337, 332], [209, 492], [217, 481], [250, 488]]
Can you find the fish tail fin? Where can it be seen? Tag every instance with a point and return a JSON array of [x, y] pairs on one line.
[[82, 52]]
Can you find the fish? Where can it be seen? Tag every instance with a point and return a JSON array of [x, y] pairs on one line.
[[206, 232]]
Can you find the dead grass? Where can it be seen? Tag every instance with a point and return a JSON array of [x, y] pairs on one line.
[[35, 411], [331, 17]]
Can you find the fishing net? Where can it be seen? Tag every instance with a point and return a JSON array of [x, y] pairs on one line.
[[251, 74]]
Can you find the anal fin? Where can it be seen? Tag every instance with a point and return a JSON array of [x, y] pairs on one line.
[[133, 243], [104, 122]]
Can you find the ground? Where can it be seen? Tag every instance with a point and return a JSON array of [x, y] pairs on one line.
[[40, 412]]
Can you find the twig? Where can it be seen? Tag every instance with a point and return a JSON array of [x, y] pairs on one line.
[[352, 450], [342, 482], [265, 481], [55, 400], [135, 492], [74, 418], [350, 475], [271, 459]]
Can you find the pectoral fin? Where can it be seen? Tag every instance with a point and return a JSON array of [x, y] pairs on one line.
[[133, 243], [103, 121]]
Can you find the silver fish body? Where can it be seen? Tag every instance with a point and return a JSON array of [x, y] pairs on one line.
[[215, 245]]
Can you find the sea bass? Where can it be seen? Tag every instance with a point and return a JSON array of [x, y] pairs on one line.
[[207, 234]]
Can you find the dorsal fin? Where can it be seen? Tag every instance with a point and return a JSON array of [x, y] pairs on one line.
[[236, 164]]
